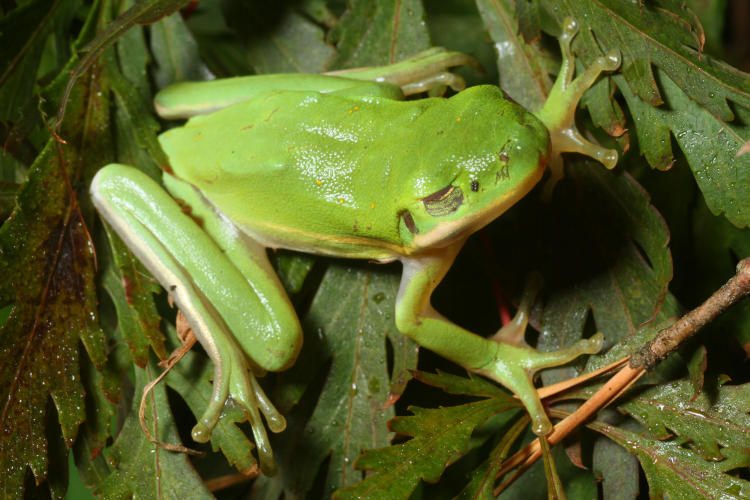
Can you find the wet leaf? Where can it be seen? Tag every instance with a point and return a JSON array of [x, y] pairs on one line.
[[709, 424], [439, 438], [142, 469], [53, 307], [678, 473], [347, 327], [375, 32]]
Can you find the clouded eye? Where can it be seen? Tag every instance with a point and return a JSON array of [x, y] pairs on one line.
[[444, 202]]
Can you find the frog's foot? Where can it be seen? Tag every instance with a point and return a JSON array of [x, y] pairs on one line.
[[423, 72], [558, 112], [233, 378], [515, 363], [514, 367]]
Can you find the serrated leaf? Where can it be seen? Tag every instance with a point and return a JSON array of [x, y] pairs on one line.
[[440, 437], [471, 386], [601, 248], [711, 423], [619, 471], [375, 32], [102, 396], [482, 480], [677, 473], [720, 174], [48, 265], [20, 52], [665, 34], [346, 329], [522, 76], [666, 67], [140, 468], [144, 12], [131, 291]]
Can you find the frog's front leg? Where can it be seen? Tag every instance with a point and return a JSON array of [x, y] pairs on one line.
[[511, 365], [222, 284]]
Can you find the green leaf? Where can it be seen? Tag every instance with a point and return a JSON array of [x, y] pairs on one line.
[[522, 75], [715, 418], [375, 32], [278, 38], [677, 473], [142, 469], [675, 47], [440, 437], [145, 12], [688, 93], [721, 175], [347, 327], [47, 260], [175, 52], [130, 290], [619, 470]]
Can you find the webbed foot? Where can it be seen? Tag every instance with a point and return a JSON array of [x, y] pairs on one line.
[[515, 363]]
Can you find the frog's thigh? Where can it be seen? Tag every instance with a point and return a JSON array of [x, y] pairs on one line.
[[251, 260], [224, 310]]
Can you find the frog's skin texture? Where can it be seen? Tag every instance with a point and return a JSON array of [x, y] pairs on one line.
[[341, 166]]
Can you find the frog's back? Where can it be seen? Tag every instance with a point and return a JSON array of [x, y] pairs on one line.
[[330, 173]]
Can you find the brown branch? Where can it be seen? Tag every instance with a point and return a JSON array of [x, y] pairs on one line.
[[670, 338]]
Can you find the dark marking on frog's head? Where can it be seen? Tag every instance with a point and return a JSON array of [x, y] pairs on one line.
[[409, 222], [445, 201], [270, 115]]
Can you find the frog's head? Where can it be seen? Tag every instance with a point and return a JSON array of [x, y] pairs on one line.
[[498, 154]]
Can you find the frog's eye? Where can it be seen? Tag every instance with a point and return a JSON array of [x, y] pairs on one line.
[[475, 186], [444, 202]]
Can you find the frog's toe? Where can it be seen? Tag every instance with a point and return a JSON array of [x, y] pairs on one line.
[[514, 366], [538, 360], [247, 392], [202, 430], [233, 378]]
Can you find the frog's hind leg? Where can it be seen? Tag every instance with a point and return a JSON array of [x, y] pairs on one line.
[[242, 324], [426, 71]]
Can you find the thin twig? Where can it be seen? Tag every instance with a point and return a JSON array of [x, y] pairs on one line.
[[670, 338]]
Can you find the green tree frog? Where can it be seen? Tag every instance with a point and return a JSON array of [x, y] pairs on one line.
[[338, 165]]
